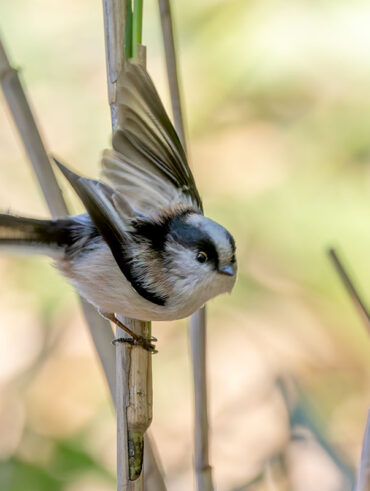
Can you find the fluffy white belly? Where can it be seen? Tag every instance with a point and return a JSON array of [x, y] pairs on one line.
[[102, 283]]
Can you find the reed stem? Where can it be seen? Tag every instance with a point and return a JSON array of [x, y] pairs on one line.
[[134, 364], [137, 26], [197, 328]]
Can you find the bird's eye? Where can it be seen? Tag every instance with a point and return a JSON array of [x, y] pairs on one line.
[[202, 257]]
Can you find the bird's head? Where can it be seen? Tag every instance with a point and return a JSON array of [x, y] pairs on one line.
[[200, 253], [184, 258]]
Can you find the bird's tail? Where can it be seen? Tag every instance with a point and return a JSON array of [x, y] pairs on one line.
[[29, 235]]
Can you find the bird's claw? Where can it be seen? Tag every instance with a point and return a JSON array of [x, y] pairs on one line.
[[145, 343]]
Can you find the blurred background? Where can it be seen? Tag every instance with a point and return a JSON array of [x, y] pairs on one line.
[[278, 109]]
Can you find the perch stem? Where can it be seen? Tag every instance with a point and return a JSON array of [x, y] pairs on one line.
[[134, 364]]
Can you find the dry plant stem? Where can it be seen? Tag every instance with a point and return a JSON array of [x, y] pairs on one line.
[[197, 328], [348, 283], [171, 63], [24, 120], [134, 407], [363, 483], [114, 29], [133, 365], [198, 343], [122, 367], [30, 136]]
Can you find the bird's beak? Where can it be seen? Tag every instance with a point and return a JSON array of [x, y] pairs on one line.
[[229, 270]]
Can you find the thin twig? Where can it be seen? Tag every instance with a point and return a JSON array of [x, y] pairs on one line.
[[25, 122], [348, 283], [30, 136], [363, 483], [198, 345], [197, 329], [171, 63]]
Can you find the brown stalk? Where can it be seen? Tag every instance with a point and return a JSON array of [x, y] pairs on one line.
[[133, 363], [197, 328], [35, 149]]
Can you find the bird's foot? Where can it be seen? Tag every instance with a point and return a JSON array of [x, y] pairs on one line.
[[137, 340], [146, 343]]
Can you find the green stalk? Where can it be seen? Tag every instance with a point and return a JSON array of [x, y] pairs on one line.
[[137, 26], [128, 31], [135, 454]]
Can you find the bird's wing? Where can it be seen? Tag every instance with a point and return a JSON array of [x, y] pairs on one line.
[[148, 164], [109, 212]]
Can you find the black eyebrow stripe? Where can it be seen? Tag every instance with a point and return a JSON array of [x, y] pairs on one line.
[[189, 236]]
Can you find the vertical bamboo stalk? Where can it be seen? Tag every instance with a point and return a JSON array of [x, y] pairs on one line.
[[114, 30], [122, 368], [134, 408], [363, 483], [134, 369], [197, 328]]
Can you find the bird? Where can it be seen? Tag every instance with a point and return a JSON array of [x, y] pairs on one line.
[[143, 248]]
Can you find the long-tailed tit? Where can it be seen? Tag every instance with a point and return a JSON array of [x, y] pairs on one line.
[[144, 249]]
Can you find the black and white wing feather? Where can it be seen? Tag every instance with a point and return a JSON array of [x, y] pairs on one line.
[[148, 164], [112, 215], [147, 171], [109, 212]]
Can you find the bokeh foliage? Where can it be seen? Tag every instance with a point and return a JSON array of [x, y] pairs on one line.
[[278, 108]]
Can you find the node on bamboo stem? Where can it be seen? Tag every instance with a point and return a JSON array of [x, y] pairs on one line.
[[138, 405]]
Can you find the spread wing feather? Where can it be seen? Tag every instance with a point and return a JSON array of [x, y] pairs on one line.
[[148, 162], [140, 186], [99, 201], [111, 214]]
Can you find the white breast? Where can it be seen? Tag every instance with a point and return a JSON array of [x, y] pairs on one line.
[[99, 280]]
